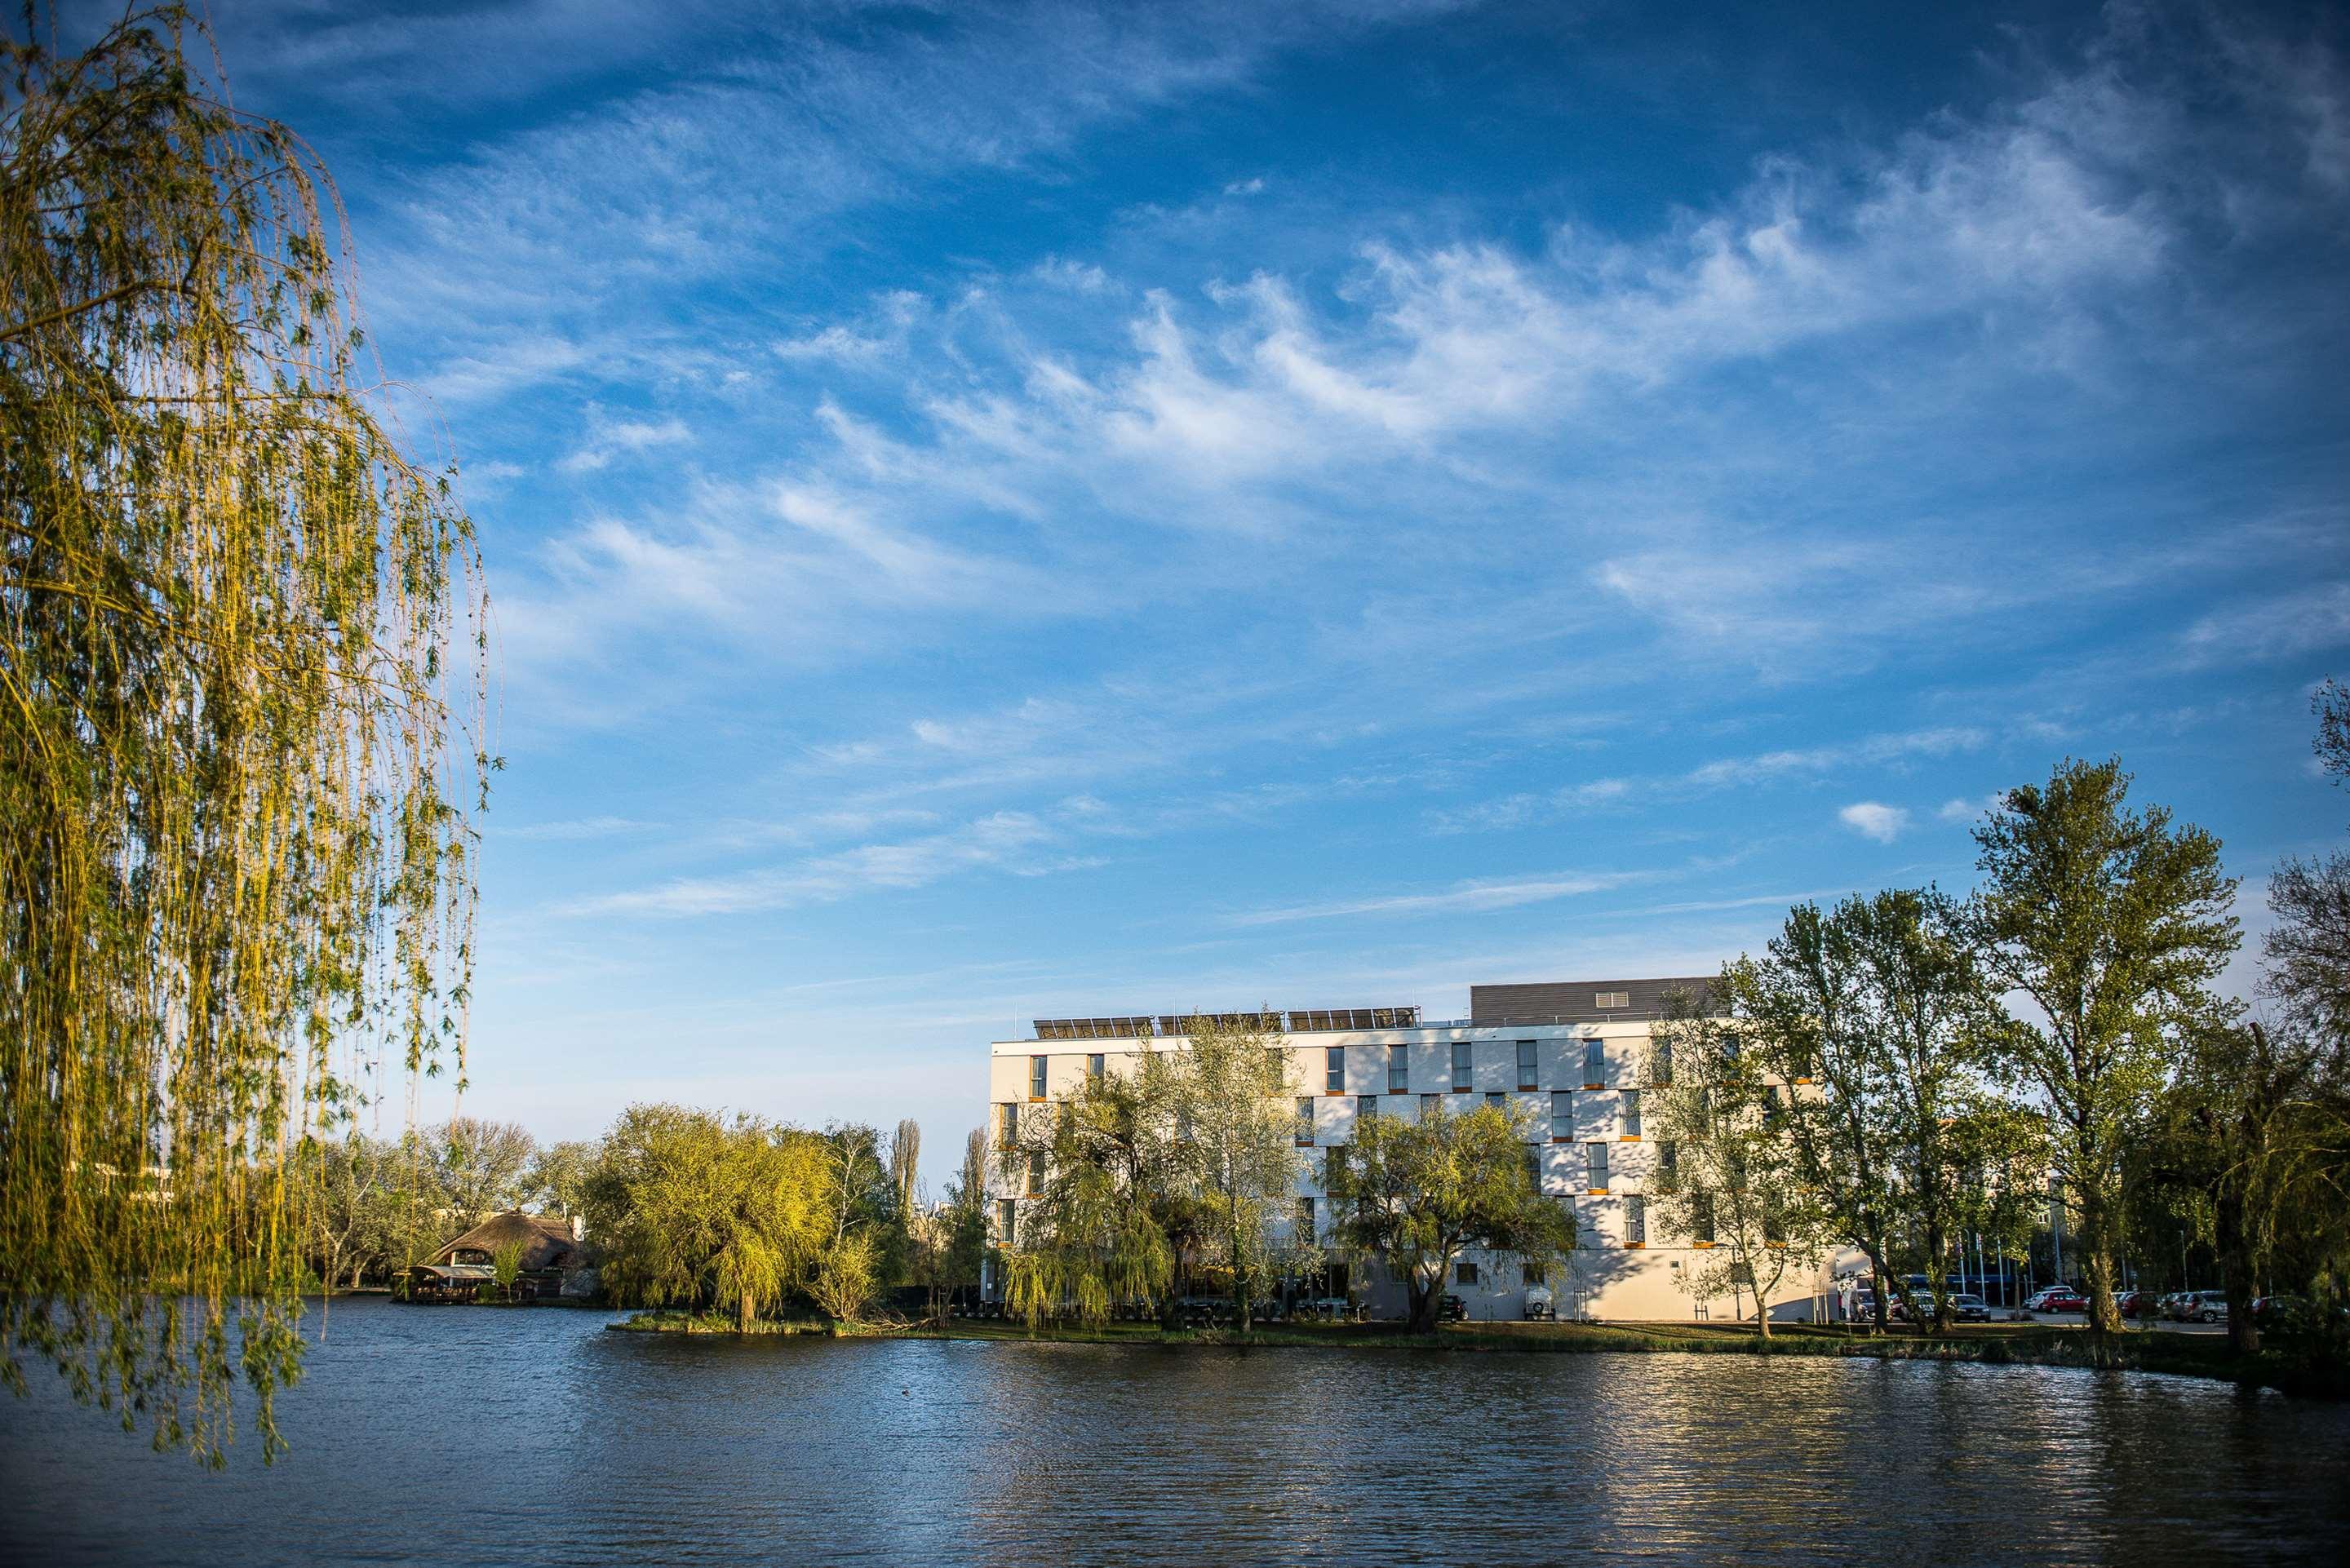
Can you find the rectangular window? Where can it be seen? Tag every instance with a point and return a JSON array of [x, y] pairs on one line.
[[1669, 1166], [1597, 1171], [1334, 1070], [1365, 1106], [1305, 1219], [1661, 1064], [1631, 1113], [1007, 1211], [1007, 1123], [1463, 1070], [1464, 1273], [1276, 1066], [1304, 1120], [1636, 1222], [1595, 1065], [1495, 1097], [1334, 1167], [1536, 1275], [1562, 1114], [1036, 1174], [1774, 1105], [1612, 999], [1701, 1219], [1399, 1069], [1730, 1047], [1529, 1076], [1430, 1106], [1097, 1064], [1534, 1168], [1035, 1078]]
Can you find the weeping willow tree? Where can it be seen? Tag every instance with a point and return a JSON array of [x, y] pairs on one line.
[[237, 767]]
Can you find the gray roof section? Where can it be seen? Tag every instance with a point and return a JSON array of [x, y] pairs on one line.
[[1578, 1001]]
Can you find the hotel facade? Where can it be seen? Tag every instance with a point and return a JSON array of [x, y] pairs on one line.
[[1565, 1058]]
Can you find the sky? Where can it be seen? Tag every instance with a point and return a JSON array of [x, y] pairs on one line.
[[1009, 511]]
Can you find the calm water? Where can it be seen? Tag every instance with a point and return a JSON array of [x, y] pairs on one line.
[[498, 1438]]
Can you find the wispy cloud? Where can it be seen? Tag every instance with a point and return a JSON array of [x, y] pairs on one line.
[[1469, 897], [579, 828]]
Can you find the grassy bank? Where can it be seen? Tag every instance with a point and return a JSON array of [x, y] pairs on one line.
[[2194, 1355]]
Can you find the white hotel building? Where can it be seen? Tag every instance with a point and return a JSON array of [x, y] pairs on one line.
[[1566, 1057]]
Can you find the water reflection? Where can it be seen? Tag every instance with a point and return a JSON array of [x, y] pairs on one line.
[[534, 1436]]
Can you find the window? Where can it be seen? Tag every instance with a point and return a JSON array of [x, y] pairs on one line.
[[1597, 1158], [1304, 1120], [1636, 1222], [1399, 1069], [1463, 1070], [1334, 1167], [1035, 1078], [1534, 1168], [1774, 1105], [1005, 1212], [1430, 1106], [1365, 1106], [1702, 1220], [1661, 1064], [1182, 1126], [1669, 1166], [1464, 1273], [1612, 999], [1529, 1076], [1495, 1097], [1562, 1114], [1595, 1064], [1276, 1065], [1536, 1275], [1730, 1047], [1036, 1174], [1334, 1070], [1632, 1098], [1097, 1064], [1774, 1227], [1007, 1123], [1306, 1218]]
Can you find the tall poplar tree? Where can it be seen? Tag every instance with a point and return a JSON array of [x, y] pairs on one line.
[[235, 873], [2114, 923]]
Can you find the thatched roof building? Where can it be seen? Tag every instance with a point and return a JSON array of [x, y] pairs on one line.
[[547, 1244]]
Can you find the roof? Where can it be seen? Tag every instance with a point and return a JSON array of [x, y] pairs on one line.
[[1585, 1000], [545, 1243], [458, 1272]]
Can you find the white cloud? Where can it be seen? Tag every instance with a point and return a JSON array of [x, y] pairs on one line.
[[1469, 897], [2315, 619], [608, 438], [1873, 819], [1958, 809], [576, 829]]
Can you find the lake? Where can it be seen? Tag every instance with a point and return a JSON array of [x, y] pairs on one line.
[[477, 1436]]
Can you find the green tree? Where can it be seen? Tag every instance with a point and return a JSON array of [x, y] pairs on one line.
[[1738, 1191], [506, 1268], [231, 867], [1416, 1194], [557, 1178], [1230, 1104], [863, 1246], [2114, 924], [689, 1208], [1113, 1195], [483, 1167]]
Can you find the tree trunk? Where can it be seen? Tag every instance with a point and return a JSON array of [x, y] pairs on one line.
[[1878, 1276], [2233, 1237], [1422, 1299], [743, 1313], [2097, 1263], [1937, 1275]]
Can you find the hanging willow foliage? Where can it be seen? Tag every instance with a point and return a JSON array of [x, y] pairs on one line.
[[236, 878]]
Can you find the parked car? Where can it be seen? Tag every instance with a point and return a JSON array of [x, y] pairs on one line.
[[2208, 1306], [1452, 1309], [1539, 1305], [2135, 1303], [2059, 1298], [1969, 1307], [2179, 1306]]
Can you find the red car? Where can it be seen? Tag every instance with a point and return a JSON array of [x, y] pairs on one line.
[[2059, 1301]]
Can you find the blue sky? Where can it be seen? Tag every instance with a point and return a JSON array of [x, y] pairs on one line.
[[1032, 510]]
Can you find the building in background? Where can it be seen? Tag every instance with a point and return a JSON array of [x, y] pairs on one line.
[[1567, 1058]]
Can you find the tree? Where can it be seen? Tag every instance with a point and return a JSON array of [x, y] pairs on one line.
[[229, 867], [2306, 954], [482, 1165], [689, 1208], [557, 1178], [1229, 1098], [506, 1268], [1113, 1196], [905, 1162], [335, 1185], [2114, 924], [1738, 1191], [859, 1200], [1416, 1194]]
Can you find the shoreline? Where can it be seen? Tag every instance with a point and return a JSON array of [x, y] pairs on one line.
[[2178, 1355]]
